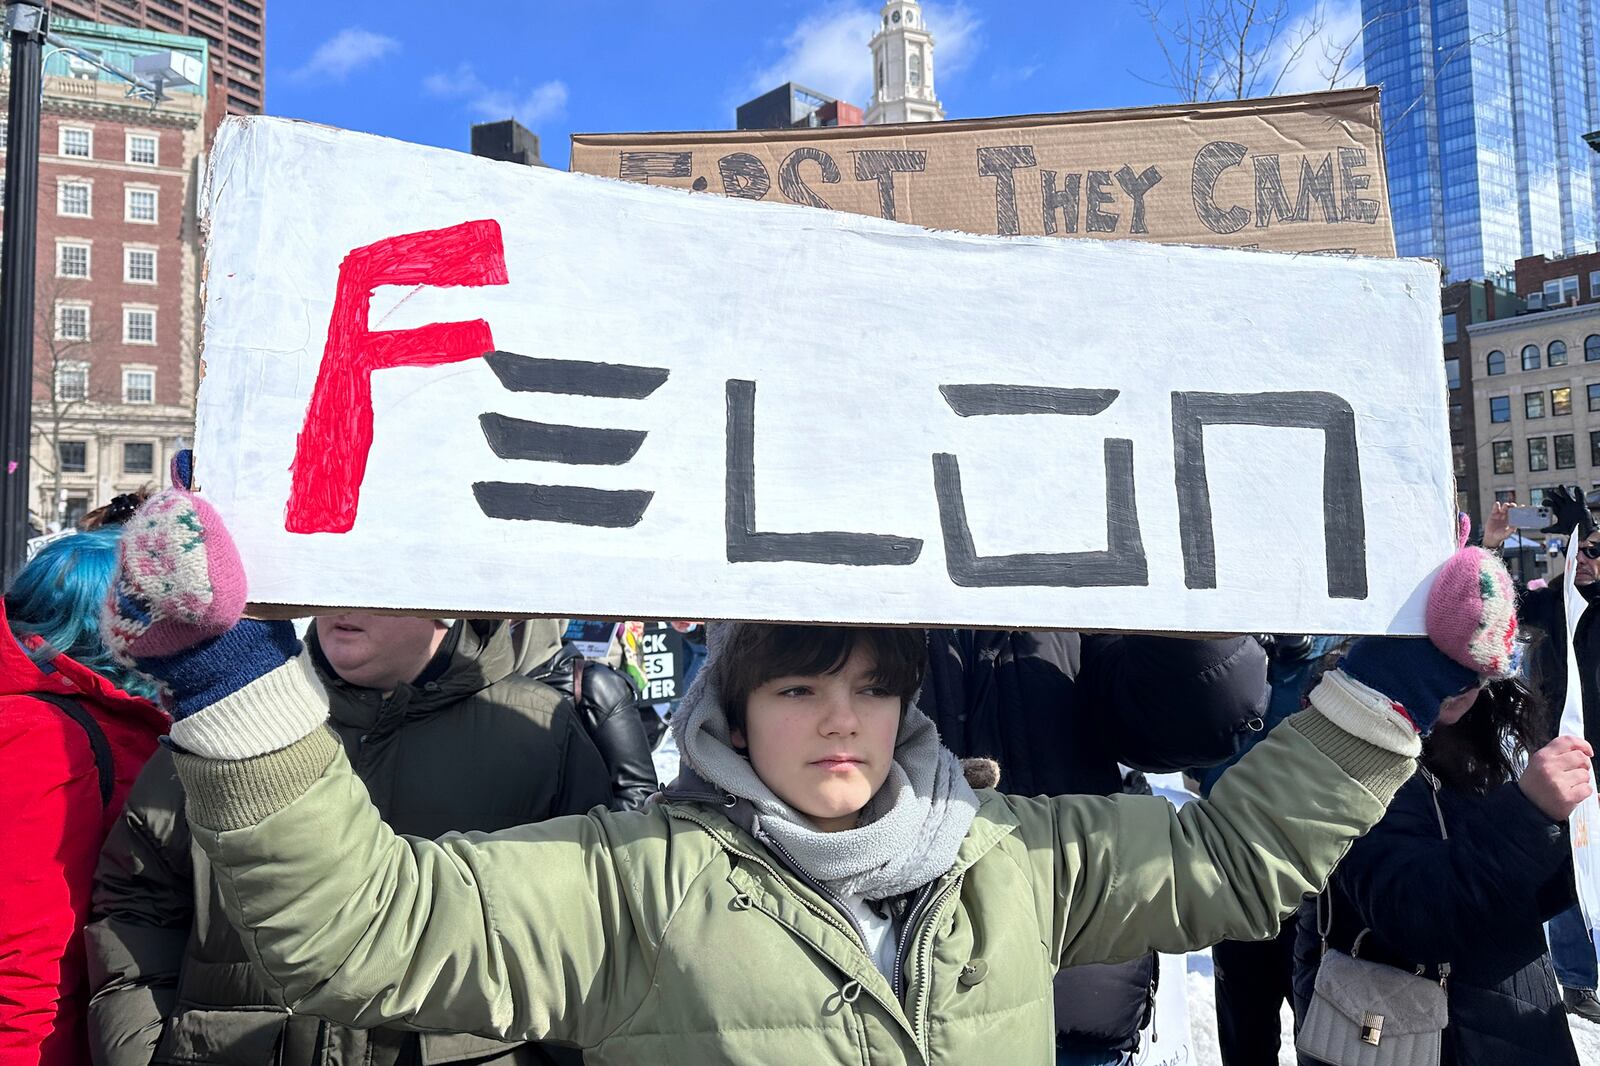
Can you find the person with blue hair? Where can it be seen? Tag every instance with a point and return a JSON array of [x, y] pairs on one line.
[[75, 729]]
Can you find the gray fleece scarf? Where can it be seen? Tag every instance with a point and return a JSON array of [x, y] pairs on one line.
[[910, 830]]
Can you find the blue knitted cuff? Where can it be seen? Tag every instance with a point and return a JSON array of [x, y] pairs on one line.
[[223, 665], [1409, 671]]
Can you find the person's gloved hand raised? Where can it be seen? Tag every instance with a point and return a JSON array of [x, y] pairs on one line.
[[1472, 627], [174, 610], [1568, 511]]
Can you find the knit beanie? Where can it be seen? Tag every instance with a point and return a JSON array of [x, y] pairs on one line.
[[1472, 613]]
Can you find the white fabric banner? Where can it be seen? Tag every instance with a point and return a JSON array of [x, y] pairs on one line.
[[1584, 822], [439, 383]]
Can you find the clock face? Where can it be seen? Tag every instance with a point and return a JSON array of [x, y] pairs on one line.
[[896, 16], [910, 18]]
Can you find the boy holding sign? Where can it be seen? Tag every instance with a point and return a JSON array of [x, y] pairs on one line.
[[821, 886]]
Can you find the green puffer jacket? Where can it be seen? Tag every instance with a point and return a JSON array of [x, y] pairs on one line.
[[672, 936], [471, 745]]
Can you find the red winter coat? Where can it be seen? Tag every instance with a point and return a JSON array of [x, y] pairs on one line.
[[52, 823]]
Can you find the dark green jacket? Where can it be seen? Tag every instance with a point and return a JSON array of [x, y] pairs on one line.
[[476, 747]]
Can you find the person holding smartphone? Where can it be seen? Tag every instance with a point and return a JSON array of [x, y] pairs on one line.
[[1542, 614]]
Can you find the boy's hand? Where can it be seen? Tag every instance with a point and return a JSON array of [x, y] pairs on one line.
[[1557, 777], [174, 610], [179, 580], [1497, 528]]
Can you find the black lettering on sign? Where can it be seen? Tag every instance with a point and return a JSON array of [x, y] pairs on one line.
[[969, 400], [1066, 201], [1343, 517], [1356, 209], [516, 438], [882, 166], [1095, 197], [1136, 185], [575, 377], [642, 166], [744, 176], [1317, 185], [1123, 561], [1271, 201], [1209, 163], [998, 163], [794, 187], [746, 544], [570, 504]]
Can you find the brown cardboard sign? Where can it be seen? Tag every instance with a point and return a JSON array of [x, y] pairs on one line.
[[1289, 173]]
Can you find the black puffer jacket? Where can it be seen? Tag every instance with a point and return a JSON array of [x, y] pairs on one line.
[[1477, 900], [606, 701], [1059, 711], [470, 745]]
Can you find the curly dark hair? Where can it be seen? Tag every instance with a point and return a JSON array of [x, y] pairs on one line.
[[1484, 748]]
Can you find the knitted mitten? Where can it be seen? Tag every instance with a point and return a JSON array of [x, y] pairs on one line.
[[1472, 626], [174, 609]]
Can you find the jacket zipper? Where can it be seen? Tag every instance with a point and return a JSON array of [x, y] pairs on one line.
[[826, 893], [897, 980], [915, 1011]]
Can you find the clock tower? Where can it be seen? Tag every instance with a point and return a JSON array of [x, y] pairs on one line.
[[902, 67]]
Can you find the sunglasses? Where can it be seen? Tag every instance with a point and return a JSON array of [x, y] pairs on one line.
[[1591, 551]]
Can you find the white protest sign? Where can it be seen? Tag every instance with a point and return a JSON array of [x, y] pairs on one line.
[[455, 386], [1583, 823]]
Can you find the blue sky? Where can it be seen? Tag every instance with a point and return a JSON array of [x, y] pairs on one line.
[[425, 72]]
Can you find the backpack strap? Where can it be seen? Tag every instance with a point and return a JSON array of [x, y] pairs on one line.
[[98, 743]]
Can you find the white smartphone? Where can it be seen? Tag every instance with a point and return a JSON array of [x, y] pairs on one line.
[[1530, 517]]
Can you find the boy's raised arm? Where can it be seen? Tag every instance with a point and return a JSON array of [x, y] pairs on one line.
[[503, 935]]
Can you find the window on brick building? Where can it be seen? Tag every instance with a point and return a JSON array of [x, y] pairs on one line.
[[72, 259], [1566, 452], [1533, 405], [1530, 357], [1561, 400], [138, 386], [138, 325], [138, 457], [73, 455], [1591, 348], [72, 382], [139, 265], [1594, 448], [77, 141], [1505, 461], [142, 205], [1555, 353], [143, 148], [1499, 408], [72, 322], [1496, 363], [1538, 453], [73, 199], [1452, 373]]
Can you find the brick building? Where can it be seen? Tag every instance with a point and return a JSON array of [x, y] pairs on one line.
[[234, 30], [116, 286]]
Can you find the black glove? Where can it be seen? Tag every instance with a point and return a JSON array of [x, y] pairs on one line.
[[1569, 511]]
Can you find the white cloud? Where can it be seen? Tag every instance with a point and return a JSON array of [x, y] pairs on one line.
[[1334, 41], [344, 53], [829, 51], [546, 100]]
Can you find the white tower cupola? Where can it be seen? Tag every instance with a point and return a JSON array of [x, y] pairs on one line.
[[902, 67]]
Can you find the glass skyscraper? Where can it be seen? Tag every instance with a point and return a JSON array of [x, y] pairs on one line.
[[1485, 104]]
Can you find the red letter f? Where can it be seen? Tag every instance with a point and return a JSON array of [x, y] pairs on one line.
[[330, 458]]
